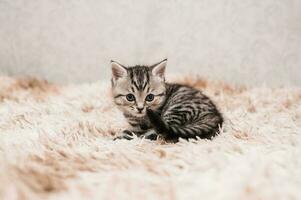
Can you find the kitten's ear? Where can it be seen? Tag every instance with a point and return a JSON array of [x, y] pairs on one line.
[[118, 70], [159, 69]]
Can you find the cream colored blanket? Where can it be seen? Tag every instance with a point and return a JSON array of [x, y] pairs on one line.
[[56, 143]]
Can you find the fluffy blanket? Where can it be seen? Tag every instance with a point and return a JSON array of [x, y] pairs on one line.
[[56, 143]]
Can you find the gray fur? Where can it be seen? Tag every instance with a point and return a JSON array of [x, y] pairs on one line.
[[177, 111]]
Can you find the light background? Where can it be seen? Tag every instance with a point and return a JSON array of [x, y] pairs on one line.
[[246, 42]]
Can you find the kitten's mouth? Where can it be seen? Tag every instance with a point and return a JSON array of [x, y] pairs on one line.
[[140, 114]]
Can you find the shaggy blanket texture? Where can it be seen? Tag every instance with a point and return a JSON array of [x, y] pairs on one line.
[[56, 143]]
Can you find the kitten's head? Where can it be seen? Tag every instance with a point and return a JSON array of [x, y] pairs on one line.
[[137, 88]]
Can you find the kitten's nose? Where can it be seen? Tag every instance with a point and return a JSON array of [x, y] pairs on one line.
[[140, 109]]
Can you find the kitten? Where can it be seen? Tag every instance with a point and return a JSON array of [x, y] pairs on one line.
[[154, 108]]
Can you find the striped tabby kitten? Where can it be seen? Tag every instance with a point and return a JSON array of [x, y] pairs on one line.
[[156, 108]]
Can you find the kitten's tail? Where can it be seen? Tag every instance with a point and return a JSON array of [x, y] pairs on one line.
[[201, 130]]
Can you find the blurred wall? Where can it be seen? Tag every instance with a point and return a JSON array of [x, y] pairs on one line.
[[249, 41]]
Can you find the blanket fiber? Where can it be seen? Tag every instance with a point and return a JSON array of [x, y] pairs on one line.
[[56, 143]]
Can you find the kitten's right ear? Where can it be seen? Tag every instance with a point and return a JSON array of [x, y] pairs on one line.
[[118, 70], [159, 68]]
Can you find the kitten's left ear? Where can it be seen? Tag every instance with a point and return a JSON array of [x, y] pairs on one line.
[[159, 68]]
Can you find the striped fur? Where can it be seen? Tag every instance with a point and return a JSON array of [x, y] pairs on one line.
[[177, 111]]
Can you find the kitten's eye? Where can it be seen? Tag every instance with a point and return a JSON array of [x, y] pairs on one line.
[[130, 97], [149, 97]]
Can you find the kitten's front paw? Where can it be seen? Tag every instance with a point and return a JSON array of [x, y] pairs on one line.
[[151, 135], [126, 134]]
